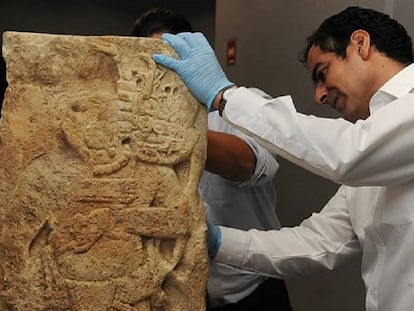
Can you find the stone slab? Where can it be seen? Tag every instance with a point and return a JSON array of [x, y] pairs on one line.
[[101, 152]]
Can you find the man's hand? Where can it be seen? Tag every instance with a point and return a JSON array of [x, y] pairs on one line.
[[213, 239], [198, 66]]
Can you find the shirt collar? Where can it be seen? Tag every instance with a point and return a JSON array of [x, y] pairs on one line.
[[399, 85]]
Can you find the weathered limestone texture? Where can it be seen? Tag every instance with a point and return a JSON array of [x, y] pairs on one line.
[[101, 153]]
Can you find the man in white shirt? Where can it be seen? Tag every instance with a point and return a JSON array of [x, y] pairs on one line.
[[238, 174], [361, 63]]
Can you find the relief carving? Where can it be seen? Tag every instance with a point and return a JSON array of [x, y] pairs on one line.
[[101, 155]]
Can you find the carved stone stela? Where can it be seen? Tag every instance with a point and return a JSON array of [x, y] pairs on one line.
[[101, 153]]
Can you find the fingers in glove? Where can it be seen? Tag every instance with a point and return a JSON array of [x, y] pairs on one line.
[[166, 61], [195, 40], [179, 44]]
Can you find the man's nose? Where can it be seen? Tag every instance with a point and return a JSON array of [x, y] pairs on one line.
[[321, 94]]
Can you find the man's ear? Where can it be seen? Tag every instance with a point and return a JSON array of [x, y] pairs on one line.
[[360, 42]]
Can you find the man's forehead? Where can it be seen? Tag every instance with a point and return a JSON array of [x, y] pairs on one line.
[[314, 52], [315, 55]]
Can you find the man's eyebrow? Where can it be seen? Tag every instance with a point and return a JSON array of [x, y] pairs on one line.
[[314, 72]]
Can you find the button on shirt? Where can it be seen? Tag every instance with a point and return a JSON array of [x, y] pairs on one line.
[[246, 205], [372, 212]]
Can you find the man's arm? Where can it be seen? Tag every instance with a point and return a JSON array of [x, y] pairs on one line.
[[229, 156], [235, 155], [321, 242], [377, 151]]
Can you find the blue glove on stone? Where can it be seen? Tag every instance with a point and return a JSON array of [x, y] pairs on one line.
[[213, 239], [198, 66]]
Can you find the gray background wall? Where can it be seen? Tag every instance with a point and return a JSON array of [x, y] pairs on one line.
[[269, 36]]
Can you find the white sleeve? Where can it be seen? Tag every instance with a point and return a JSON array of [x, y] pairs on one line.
[[321, 242], [377, 151], [266, 165]]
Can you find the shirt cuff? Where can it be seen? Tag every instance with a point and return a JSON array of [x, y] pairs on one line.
[[234, 246]]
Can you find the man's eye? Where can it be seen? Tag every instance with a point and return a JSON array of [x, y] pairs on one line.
[[321, 76]]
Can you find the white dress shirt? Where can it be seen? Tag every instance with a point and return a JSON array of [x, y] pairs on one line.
[[373, 212], [247, 205]]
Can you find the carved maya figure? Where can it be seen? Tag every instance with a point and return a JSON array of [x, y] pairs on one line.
[[99, 164]]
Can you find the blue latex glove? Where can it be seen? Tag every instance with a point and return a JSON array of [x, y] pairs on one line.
[[198, 66], [213, 239]]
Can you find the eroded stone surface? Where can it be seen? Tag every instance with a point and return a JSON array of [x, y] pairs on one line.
[[101, 153]]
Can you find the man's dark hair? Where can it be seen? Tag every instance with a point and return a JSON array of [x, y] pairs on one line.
[[160, 20], [386, 34]]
